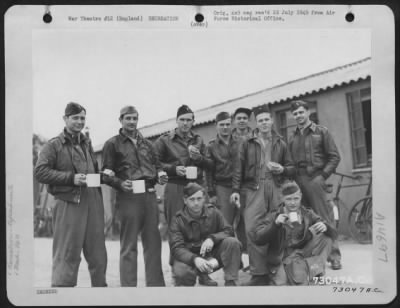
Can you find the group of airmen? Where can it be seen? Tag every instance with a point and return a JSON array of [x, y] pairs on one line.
[[252, 192]]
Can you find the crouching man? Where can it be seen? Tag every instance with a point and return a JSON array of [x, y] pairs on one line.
[[201, 241], [300, 240]]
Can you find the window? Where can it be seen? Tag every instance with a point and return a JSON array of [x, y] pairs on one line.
[[287, 124], [359, 105]]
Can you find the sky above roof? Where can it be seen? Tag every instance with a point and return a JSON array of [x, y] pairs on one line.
[[157, 71]]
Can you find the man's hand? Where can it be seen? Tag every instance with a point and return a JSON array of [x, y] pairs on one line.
[[194, 153], [207, 246], [275, 167], [319, 179], [235, 198], [108, 172], [181, 170], [319, 227], [126, 185], [162, 178], [202, 265], [79, 179], [281, 219]]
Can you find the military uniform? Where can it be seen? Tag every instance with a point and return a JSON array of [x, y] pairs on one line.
[[186, 235], [78, 217], [315, 154], [261, 188], [138, 212], [172, 150], [295, 255]]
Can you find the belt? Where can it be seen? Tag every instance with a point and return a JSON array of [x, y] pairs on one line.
[[302, 165], [266, 175]]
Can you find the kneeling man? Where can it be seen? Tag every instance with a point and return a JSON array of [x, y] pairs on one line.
[[201, 241], [300, 240]]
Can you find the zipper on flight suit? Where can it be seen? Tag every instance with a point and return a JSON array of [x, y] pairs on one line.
[[259, 174]]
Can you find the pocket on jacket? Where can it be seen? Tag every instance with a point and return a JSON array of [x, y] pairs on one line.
[[316, 144]]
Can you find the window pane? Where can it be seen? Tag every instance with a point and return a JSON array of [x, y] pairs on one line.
[[365, 94], [356, 117]]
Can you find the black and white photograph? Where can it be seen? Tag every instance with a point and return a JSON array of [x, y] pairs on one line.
[[170, 154]]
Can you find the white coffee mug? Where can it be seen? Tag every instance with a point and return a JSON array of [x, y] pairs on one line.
[[93, 180], [138, 187], [293, 217], [191, 172]]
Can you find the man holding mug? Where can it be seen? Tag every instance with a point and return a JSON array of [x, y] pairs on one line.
[[182, 156], [299, 240], [65, 164], [137, 170], [197, 254], [263, 163]]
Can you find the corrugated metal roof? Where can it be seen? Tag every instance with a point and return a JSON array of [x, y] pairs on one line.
[[314, 83], [307, 85]]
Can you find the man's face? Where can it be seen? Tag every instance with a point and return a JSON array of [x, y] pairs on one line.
[[76, 122], [264, 122], [195, 202], [301, 115], [129, 122], [293, 201], [224, 127], [185, 122], [241, 120]]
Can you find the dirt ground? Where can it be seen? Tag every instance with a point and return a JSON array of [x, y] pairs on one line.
[[356, 261]]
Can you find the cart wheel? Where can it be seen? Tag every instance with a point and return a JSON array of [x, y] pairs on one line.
[[360, 221]]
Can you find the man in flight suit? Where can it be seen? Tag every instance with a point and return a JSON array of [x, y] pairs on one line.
[[262, 164], [134, 160], [177, 150], [78, 217], [199, 235], [316, 157]]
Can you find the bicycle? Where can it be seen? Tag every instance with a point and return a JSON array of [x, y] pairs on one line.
[[359, 219]]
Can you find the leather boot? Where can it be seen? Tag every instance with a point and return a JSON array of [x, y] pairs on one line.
[[205, 280]]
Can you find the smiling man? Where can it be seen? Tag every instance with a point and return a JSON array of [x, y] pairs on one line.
[[316, 157], [263, 162], [177, 150], [199, 237], [78, 217], [135, 163], [299, 240], [241, 118], [221, 153]]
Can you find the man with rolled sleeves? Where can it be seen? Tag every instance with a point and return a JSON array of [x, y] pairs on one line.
[[78, 216], [201, 241], [241, 118], [137, 170], [316, 157], [177, 150], [263, 163]]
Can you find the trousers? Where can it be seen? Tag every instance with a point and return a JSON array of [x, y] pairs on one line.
[[230, 211], [314, 196], [173, 200], [227, 253], [315, 253], [258, 204], [139, 216], [79, 227]]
